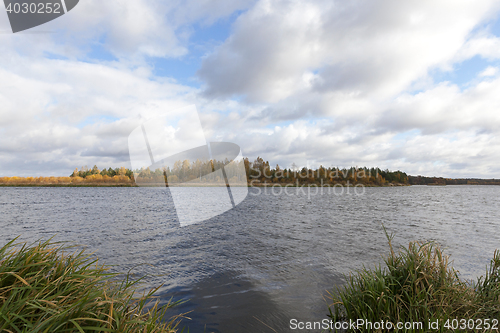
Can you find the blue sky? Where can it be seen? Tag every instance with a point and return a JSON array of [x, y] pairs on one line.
[[467, 70], [408, 85], [202, 41]]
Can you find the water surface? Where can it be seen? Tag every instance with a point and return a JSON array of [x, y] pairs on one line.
[[270, 259]]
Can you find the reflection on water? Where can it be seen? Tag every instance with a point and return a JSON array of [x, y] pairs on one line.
[[228, 302], [269, 260]]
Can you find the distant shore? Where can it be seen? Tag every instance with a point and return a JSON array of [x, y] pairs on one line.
[[262, 185], [252, 181], [265, 185], [68, 185]]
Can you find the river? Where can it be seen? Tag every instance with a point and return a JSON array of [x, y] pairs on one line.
[[267, 261]]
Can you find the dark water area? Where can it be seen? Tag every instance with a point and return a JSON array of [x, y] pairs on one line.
[[269, 260]]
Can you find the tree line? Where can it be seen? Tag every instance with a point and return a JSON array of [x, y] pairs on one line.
[[421, 180], [260, 171], [256, 173]]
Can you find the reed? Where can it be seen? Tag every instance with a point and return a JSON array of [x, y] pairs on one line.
[[45, 288], [416, 284], [487, 289]]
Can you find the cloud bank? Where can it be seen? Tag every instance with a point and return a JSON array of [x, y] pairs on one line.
[[318, 82]]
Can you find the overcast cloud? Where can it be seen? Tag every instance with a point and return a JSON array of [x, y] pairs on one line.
[[367, 83]]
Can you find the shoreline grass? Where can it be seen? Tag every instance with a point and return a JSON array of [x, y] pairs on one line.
[[417, 284], [68, 185], [45, 289]]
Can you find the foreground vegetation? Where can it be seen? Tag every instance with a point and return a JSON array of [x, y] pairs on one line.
[[419, 285], [44, 289]]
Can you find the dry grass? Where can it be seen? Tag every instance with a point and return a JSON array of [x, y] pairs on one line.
[[44, 289], [416, 284]]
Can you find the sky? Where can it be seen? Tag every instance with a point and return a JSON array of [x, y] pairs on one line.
[[404, 85]]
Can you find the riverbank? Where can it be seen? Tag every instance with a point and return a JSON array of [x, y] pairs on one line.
[[260, 185], [45, 289], [417, 291], [68, 185]]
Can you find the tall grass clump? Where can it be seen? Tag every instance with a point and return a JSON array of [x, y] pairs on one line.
[[487, 290], [417, 284], [45, 289]]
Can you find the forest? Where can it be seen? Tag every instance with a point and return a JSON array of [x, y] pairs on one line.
[[257, 173], [420, 180]]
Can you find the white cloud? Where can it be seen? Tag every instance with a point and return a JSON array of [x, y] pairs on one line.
[[126, 29], [46, 105], [76, 112], [375, 48], [324, 81], [489, 71], [484, 45]]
